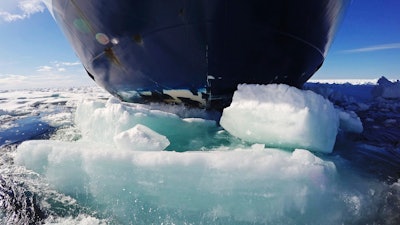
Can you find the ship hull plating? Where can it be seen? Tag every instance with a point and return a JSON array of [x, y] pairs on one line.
[[197, 51]]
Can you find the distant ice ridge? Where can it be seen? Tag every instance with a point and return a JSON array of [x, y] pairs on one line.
[[282, 116], [387, 89], [345, 81]]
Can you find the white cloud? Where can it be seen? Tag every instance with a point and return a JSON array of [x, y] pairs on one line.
[[374, 48], [44, 69], [68, 64], [31, 6], [71, 63], [6, 16], [59, 66], [5, 79], [45, 80], [55, 74], [21, 9]]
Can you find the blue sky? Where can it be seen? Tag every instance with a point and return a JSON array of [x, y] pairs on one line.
[[34, 52]]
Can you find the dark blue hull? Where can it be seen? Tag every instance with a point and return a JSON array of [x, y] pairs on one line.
[[197, 51]]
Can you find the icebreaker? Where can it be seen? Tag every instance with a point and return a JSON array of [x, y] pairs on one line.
[[197, 52]]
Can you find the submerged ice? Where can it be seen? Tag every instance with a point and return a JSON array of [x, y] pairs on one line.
[[137, 164], [244, 185], [139, 127]]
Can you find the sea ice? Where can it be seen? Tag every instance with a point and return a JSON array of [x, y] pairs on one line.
[[350, 122], [103, 122], [387, 89], [141, 138], [282, 116], [217, 179], [242, 186]]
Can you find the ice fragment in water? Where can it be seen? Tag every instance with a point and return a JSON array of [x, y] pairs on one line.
[[141, 138], [282, 116], [350, 122]]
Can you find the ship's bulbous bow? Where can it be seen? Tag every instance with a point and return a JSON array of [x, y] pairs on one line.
[[197, 52]]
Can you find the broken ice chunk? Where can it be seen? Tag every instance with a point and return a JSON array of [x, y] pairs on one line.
[[282, 116], [141, 138]]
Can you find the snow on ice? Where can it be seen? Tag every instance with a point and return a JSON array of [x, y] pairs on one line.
[[141, 138], [282, 116], [127, 163]]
